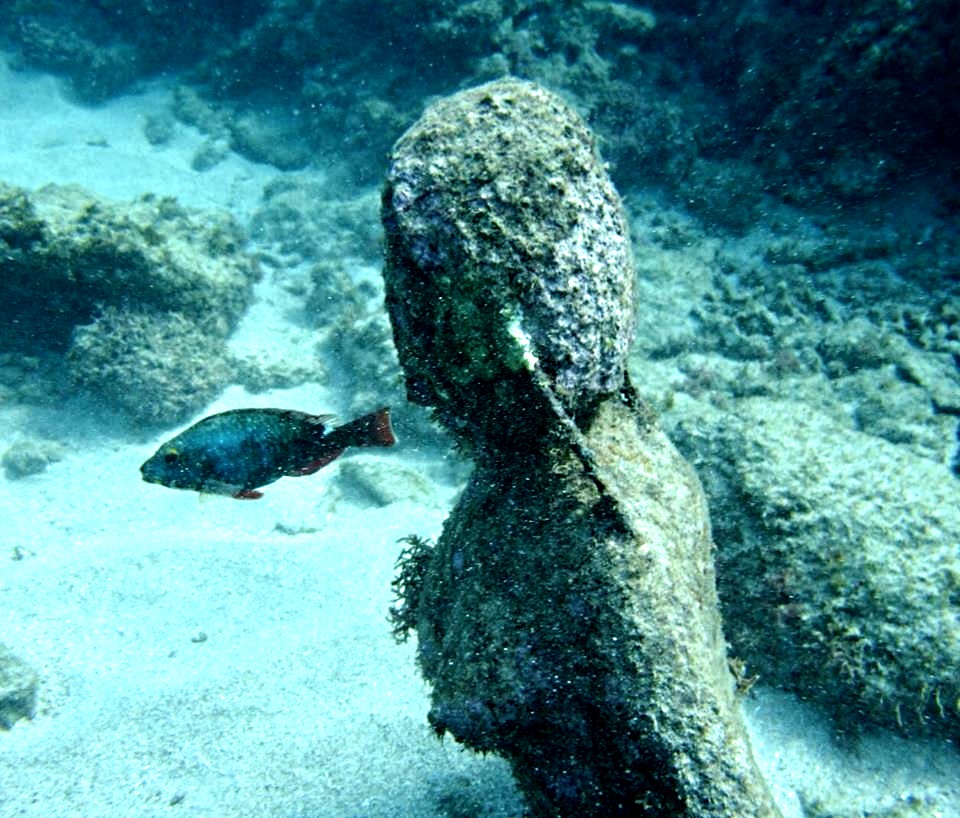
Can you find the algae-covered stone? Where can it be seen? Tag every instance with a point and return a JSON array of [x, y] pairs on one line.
[[368, 481], [567, 618], [157, 367], [18, 689], [64, 253], [30, 456], [159, 128], [837, 562], [69, 260], [210, 154], [271, 137], [507, 249]]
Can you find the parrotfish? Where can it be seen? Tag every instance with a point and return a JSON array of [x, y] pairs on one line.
[[239, 451]]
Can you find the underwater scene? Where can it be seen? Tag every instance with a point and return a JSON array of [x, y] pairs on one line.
[[480, 409]]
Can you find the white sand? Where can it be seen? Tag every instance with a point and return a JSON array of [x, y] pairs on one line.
[[46, 138], [294, 701]]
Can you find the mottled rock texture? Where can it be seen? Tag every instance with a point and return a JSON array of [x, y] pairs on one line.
[[138, 298], [30, 456], [506, 230], [157, 368], [838, 562], [567, 617], [852, 97], [18, 689]]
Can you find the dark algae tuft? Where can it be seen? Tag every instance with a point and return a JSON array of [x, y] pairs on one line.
[[411, 568]]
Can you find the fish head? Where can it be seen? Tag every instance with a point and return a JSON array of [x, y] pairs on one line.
[[172, 467], [177, 465]]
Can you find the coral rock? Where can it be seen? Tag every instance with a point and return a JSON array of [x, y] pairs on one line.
[[139, 296], [837, 558], [18, 689]]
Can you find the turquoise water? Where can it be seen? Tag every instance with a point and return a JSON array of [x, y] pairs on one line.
[[190, 223]]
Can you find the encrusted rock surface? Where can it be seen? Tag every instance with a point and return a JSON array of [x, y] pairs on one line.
[[509, 242], [837, 559], [567, 618], [156, 367], [18, 689], [817, 393], [30, 456], [138, 298]]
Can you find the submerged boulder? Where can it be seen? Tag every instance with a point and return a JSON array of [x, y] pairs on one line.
[[18, 689], [837, 561], [124, 292]]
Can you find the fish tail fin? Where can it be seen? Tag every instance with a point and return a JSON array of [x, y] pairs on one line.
[[374, 429]]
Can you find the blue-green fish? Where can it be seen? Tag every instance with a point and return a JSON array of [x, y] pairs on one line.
[[237, 452]]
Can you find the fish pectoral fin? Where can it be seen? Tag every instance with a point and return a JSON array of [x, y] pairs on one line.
[[315, 465], [248, 494]]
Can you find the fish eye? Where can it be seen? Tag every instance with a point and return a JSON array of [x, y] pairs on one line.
[[170, 457]]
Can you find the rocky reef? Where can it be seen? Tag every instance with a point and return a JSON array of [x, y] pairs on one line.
[[719, 103], [837, 555], [132, 302], [567, 618], [828, 91], [810, 375]]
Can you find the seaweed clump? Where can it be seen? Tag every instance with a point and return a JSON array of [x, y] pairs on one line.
[[412, 564]]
